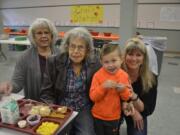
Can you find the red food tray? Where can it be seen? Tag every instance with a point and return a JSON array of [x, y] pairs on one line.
[[32, 129]]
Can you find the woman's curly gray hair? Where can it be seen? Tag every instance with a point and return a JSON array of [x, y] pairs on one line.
[[42, 23], [80, 32]]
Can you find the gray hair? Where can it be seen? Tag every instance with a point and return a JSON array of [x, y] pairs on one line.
[[80, 32], [42, 23]]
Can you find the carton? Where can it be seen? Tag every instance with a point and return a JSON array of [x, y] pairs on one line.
[[10, 112]]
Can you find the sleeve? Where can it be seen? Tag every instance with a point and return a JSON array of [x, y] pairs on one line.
[[18, 78], [149, 100], [47, 93], [127, 92], [96, 90]]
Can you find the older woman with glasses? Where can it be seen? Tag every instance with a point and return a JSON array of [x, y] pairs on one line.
[[68, 77], [30, 66]]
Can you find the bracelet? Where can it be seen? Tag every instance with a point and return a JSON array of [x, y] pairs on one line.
[[135, 98]]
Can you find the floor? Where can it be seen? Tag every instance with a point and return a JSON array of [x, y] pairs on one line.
[[164, 121]]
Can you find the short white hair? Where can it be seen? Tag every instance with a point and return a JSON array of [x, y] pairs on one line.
[[42, 23], [80, 32]]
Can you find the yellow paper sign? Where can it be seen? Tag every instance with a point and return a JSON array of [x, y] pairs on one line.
[[92, 14]]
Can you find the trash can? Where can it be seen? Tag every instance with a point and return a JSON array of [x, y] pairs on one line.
[[159, 44], [20, 47]]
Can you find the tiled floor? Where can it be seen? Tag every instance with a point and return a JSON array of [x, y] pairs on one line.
[[166, 118]]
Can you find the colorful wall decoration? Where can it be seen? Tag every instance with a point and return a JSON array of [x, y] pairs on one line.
[[91, 14]]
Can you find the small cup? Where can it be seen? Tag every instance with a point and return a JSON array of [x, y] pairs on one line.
[[22, 123], [33, 119]]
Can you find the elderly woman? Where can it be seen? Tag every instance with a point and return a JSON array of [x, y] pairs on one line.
[[68, 77], [30, 66], [144, 84]]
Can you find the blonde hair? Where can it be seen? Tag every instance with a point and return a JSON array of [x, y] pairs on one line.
[[108, 48], [146, 75]]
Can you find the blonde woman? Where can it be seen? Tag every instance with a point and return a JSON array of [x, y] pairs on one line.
[[144, 84]]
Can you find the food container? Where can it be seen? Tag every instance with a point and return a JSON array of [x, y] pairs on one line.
[[107, 34], [94, 33], [33, 119], [10, 112]]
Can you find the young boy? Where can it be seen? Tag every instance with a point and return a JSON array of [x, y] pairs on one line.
[[110, 86]]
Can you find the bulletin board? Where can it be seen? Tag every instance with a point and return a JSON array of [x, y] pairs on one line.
[[159, 16], [93, 14], [107, 16]]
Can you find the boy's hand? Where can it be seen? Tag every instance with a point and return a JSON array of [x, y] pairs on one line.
[[128, 109], [120, 87], [109, 84]]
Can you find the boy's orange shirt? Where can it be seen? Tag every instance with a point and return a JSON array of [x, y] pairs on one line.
[[107, 102]]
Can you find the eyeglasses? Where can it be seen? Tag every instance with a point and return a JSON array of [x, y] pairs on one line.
[[73, 47], [41, 33]]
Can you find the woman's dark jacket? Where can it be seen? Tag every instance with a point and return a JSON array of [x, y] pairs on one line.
[[55, 77], [149, 98]]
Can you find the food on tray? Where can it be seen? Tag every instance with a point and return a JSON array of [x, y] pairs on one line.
[[47, 128], [62, 109], [57, 115], [34, 110], [28, 106], [44, 111], [26, 116], [33, 119], [40, 109], [22, 123]]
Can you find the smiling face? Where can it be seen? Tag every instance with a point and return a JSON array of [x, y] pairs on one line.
[[42, 37], [134, 59], [77, 50], [111, 62]]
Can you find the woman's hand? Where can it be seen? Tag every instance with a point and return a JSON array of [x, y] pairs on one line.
[[5, 88], [138, 120]]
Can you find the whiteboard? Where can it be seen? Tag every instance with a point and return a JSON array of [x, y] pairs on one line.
[[159, 16]]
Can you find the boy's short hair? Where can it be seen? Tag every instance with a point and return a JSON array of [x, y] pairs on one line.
[[108, 48]]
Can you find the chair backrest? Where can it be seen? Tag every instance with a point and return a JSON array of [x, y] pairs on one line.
[[58, 42]]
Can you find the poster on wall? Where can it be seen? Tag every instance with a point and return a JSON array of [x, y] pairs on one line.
[[170, 14], [87, 15]]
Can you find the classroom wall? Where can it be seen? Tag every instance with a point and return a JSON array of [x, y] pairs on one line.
[[172, 35]]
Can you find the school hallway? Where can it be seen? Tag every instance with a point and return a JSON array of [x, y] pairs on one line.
[[165, 119]]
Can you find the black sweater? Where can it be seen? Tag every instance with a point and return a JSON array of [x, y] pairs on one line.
[[149, 98]]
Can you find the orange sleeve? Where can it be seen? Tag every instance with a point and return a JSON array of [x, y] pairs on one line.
[[127, 92], [96, 90]]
